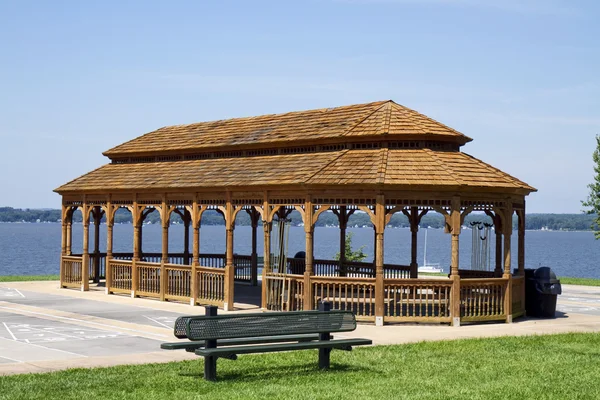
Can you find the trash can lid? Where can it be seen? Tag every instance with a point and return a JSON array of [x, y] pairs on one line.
[[300, 254], [544, 273]]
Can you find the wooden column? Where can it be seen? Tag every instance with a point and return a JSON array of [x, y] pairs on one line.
[[254, 215], [455, 229], [63, 243], [309, 230], [85, 257], [196, 218], [110, 222], [97, 213], [186, 237], [164, 259], [136, 219], [343, 220], [229, 267], [414, 219], [507, 259], [267, 225], [521, 260], [379, 278], [69, 233]]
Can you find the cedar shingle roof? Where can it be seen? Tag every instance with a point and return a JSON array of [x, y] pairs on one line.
[[347, 122], [402, 169]]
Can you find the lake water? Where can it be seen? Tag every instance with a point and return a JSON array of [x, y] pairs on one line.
[[34, 249]]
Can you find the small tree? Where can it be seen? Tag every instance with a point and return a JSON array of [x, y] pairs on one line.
[[351, 255], [593, 200]]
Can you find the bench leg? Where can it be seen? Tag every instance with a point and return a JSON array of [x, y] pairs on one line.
[[210, 368], [324, 358]]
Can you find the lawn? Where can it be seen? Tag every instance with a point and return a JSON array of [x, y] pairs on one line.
[[579, 281], [24, 278], [565, 366]]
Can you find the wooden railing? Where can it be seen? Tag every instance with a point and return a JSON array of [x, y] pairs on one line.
[[412, 300], [284, 292], [475, 274], [212, 260], [179, 282], [100, 259], [71, 270], [518, 296], [351, 294], [210, 286], [243, 268], [148, 276], [482, 299], [120, 273], [350, 269]]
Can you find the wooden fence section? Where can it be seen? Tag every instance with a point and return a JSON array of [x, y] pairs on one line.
[[518, 296], [71, 271], [351, 294], [411, 300], [284, 292], [148, 282], [482, 299], [243, 268], [97, 264], [120, 274], [350, 269], [210, 286], [475, 274], [179, 282]]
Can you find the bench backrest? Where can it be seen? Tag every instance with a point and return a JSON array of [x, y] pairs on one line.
[[264, 324]]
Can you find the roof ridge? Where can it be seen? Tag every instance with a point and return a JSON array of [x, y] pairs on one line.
[[450, 171], [382, 169], [388, 118], [409, 116], [414, 113], [366, 118], [345, 151]]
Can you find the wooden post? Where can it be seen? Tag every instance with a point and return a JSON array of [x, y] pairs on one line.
[[343, 220], [186, 237], [266, 257], [254, 256], [85, 257], [229, 267], [507, 259], [379, 278], [309, 235], [97, 213], [69, 238], [164, 217], [136, 218], [498, 231], [455, 228], [63, 243], [110, 222], [414, 230], [195, 251], [521, 260]]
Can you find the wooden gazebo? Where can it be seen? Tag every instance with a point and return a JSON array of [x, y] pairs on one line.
[[378, 158]]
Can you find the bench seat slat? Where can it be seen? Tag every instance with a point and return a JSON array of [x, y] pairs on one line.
[[268, 348], [193, 345]]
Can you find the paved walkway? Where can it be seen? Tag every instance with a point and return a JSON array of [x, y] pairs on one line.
[[43, 328]]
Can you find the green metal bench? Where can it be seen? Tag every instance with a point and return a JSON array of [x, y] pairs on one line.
[[225, 336]]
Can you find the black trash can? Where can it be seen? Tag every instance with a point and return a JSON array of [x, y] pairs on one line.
[[541, 291]]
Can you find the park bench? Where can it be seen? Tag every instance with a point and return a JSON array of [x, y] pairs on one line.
[[215, 336]]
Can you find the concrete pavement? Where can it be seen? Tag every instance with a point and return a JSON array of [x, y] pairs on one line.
[[43, 328]]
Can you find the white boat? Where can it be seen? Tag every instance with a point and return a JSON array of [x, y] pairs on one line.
[[429, 268]]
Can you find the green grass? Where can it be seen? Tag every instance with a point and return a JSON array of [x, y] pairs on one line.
[[565, 366], [24, 278], [579, 281]]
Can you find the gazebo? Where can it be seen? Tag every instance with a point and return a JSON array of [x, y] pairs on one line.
[[378, 158]]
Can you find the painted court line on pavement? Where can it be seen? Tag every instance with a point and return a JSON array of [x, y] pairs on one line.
[[9, 331], [117, 329], [47, 348], [158, 322], [11, 359]]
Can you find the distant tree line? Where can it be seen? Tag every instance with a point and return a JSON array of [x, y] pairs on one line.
[[569, 222]]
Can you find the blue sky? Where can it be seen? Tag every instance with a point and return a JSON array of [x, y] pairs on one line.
[[77, 78]]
